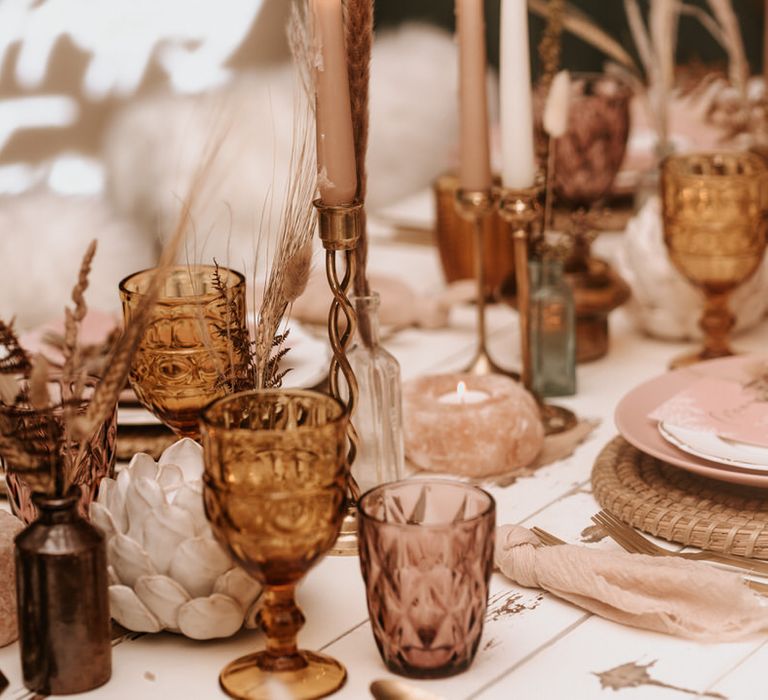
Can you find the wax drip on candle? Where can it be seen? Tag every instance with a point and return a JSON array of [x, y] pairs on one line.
[[463, 396]]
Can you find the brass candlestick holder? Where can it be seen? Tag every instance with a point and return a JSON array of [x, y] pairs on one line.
[[340, 229], [475, 206], [522, 211]]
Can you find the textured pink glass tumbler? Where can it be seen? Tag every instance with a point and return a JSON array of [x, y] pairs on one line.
[[426, 552]]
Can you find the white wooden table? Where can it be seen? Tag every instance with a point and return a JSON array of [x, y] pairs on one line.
[[533, 645]]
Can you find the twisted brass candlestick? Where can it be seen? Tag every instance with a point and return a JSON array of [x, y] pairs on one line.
[[476, 206], [340, 228], [521, 209]]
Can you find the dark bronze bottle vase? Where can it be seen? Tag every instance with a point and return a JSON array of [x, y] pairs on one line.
[[61, 584]]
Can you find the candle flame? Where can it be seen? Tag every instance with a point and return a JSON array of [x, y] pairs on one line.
[[461, 387]]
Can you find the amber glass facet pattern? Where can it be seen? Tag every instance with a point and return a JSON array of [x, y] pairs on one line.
[[96, 461], [187, 347], [714, 208], [426, 552], [274, 492]]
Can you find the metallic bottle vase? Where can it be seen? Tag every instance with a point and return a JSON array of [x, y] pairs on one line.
[[61, 582]]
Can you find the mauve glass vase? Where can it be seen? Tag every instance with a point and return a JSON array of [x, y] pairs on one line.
[[426, 553], [588, 156]]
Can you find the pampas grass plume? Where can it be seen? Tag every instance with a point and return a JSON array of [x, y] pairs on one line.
[[556, 108]]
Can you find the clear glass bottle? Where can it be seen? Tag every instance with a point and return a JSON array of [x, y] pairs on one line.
[[378, 417], [553, 330]]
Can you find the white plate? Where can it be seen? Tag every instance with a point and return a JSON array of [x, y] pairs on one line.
[[715, 449], [308, 361]]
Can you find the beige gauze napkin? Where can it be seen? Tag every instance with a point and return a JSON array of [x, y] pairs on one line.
[[684, 598]]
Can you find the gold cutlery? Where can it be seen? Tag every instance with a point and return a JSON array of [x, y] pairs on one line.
[[632, 541], [398, 690], [549, 540]]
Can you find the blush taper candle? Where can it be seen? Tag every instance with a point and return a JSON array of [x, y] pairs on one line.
[[474, 165], [337, 173], [518, 161]]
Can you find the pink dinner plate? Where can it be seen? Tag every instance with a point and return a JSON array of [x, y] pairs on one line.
[[632, 421]]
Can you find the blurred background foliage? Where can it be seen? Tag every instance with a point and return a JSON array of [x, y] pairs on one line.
[[695, 45]]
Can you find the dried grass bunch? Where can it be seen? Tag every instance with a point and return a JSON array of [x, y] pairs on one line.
[[43, 434], [256, 359]]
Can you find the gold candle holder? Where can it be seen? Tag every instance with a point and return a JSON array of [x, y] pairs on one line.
[[475, 206], [340, 230], [522, 211]]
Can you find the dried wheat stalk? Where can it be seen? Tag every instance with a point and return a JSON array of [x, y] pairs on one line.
[[72, 373], [291, 264], [108, 390]]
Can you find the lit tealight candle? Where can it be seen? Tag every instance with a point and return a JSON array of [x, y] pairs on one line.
[[462, 395], [487, 425]]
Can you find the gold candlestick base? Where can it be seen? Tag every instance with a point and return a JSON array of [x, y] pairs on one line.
[[522, 211], [340, 228], [475, 206]]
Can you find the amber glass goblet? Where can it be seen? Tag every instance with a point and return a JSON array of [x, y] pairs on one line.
[[426, 552], [274, 491], [714, 211], [44, 431], [187, 347]]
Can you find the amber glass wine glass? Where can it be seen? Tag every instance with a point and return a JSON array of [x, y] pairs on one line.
[[714, 211], [187, 347], [274, 491]]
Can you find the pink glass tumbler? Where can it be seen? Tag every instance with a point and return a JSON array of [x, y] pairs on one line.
[[426, 552]]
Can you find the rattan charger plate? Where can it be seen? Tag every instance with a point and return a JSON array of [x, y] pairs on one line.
[[678, 506]]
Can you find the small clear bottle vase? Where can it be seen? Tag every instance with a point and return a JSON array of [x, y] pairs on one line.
[[553, 330], [378, 417]]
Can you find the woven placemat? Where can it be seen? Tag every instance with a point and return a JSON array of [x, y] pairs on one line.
[[678, 506]]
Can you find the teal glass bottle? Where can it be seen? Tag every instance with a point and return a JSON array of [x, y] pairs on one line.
[[552, 330]]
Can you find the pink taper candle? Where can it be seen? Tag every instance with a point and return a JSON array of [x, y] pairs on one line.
[[475, 163], [335, 142]]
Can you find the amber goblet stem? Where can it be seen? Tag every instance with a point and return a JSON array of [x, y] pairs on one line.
[[716, 322], [281, 619], [476, 206], [340, 229], [521, 210]]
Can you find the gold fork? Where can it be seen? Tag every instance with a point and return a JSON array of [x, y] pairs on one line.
[[549, 540], [632, 541]]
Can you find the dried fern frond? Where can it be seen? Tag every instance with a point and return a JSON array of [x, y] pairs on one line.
[[13, 358], [237, 376]]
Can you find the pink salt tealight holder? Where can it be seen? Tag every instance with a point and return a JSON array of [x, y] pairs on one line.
[[470, 426]]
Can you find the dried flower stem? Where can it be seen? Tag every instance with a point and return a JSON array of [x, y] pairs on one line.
[[291, 264], [358, 21]]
